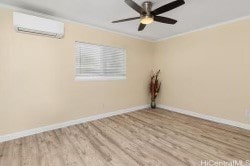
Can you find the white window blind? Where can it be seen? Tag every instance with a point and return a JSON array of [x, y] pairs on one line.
[[97, 62]]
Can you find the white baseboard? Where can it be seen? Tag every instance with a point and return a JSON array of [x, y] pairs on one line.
[[25, 133], [206, 117]]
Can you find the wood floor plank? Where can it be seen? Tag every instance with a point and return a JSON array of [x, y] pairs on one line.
[[218, 126], [146, 137], [204, 127], [54, 151], [126, 159], [1, 150], [44, 158], [6, 158], [84, 147], [168, 142], [105, 151], [125, 145], [151, 141], [228, 148], [221, 137], [181, 141], [69, 153], [192, 131], [136, 146], [16, 148]]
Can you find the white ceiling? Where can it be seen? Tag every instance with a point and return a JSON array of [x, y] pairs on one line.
[[193, 15]]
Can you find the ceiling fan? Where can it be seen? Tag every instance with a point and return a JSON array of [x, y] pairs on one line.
[[147, 16]]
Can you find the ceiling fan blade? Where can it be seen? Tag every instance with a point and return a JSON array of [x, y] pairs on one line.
[[134, 6], [164, 20], [168, 7], [127, 19], [141, 27]]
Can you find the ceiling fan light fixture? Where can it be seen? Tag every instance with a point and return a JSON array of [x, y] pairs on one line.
[[147, 19], [147, 16]]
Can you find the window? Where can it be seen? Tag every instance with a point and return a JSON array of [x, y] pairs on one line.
[[96, 62]]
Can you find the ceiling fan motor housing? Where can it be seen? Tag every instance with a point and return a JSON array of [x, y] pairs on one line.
[[146, 16], [147, 6]]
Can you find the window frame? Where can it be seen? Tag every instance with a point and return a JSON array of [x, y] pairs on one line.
[[99, 78]]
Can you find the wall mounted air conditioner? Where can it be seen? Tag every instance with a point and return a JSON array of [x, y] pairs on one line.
[[37, 25]]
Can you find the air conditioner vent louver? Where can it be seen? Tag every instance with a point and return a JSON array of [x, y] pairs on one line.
[[36, 25], [25, 30]]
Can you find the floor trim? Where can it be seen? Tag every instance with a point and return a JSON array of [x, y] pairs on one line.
[[25, 133], [206, 117]]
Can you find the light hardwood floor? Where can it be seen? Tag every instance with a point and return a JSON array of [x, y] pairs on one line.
[[146, 137]]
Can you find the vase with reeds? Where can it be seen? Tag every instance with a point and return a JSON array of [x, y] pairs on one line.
[[154, 88]]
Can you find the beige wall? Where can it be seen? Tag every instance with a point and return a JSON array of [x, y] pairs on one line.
[[37, 86], [207, 71]]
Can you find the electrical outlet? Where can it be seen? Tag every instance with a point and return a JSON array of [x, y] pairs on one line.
[[248, 113]]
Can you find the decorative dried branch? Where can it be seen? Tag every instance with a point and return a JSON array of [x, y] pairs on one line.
[[155, 85]]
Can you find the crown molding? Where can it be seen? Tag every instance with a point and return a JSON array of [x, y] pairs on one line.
[[204, 28], [11, 7], [18, 9]]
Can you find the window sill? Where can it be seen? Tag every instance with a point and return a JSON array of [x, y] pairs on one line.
[[78, 78]]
